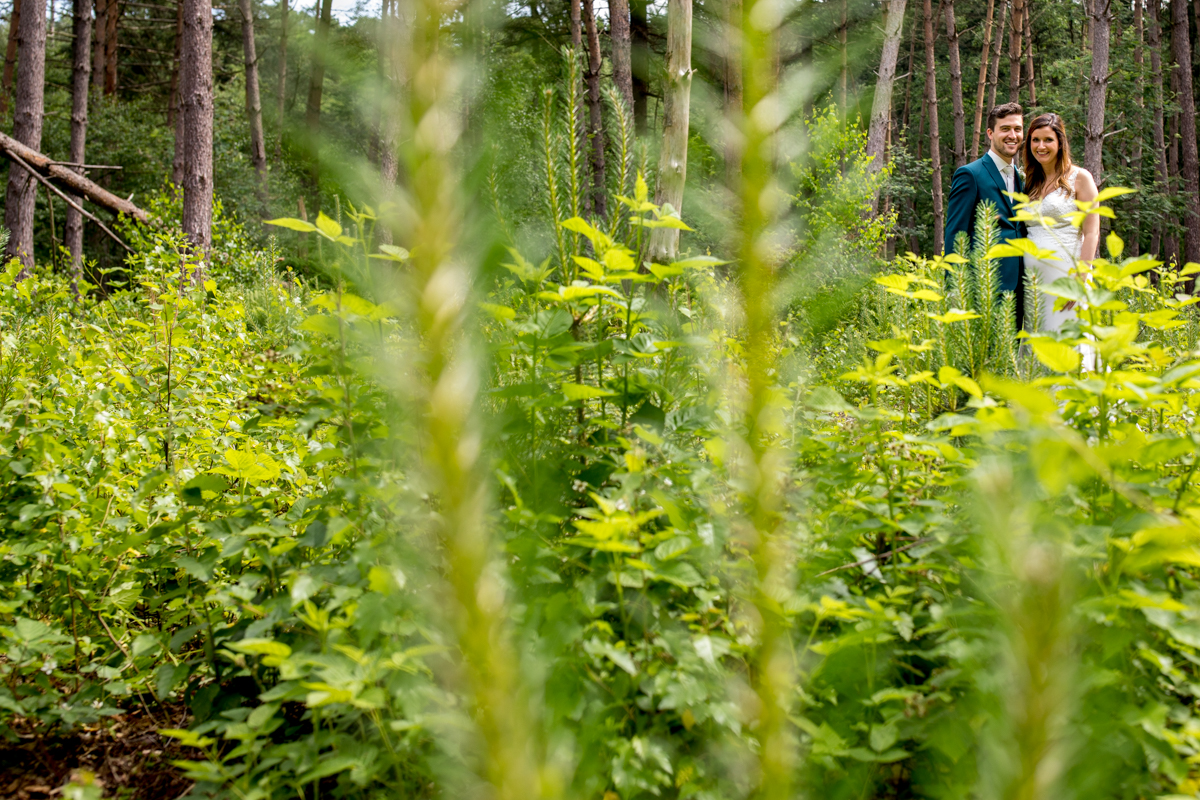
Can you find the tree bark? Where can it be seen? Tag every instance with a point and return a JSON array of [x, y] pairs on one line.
[[1140, 100], [1015, 32], [733, 92], [984, 62], [595, 110], [1158, 133], [935, 156], [69, 179], [81, 74], [956, 87], [1093, 135], [639, 30], [312, 112], [881, 105], [1189, 161], [180, 131], [10, 57], [576, 25], [844, 72], [173, 100], [997, 50], [101, 31], [283, 39], [110, 47], [28, 115], [908, 79], [258, 146], [622, 66], [196, 110], [1029, 76], [677, 92]]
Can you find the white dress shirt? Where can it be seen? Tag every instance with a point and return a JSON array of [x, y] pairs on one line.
[[1007, 170]]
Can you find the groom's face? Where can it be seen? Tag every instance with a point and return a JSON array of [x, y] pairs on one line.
[[1006, 136]]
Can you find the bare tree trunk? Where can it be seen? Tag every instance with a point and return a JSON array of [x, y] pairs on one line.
[[101, 31], [677, 92], [733, 92], [10, 56], [908, 79], [1139, 61], [595, 110], [956, 87], [639, 30], [258, 146], [1189, 160], [110, 46], [881, 106], [622, 66], [1029, 76], [196, 110], [1093, 134], [283, 23], [173, 100], [935, 155], [180, 130], [1154, 40], [984, 62], [312, 112], [1015, 32], [576, 25], [81, 74], [27, 129], [997, 49]]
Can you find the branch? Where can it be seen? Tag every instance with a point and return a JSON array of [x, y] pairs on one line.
[[68, 200], [879, 558]]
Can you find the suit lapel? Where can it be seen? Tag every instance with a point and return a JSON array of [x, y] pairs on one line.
[[989, 166]]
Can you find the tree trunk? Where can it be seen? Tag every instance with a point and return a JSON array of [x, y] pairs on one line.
[[733, 92], [956, 87], [28, 115], [677, 92], [997, 49], [180, 134], [984, 62], [81, 74], [1158, 133], [10, 57], [1029, 76], [312, 112], [595, 111], [1015, 32], [622, 66], [110, 47], [258, 147], [196, 110], [934, 150], [173, 99], [1189, 161], [881, 106], [639, 30], [576, 25], [1139, 100], [908, 79], [844, 73], [1093, 134], [101, 31], [283, 22]]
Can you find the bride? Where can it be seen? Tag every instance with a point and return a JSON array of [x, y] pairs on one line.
[[1053, 183]]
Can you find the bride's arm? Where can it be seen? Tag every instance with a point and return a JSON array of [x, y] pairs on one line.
[[1085, 191]]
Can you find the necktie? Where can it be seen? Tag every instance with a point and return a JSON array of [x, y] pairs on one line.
[[1008, 176]]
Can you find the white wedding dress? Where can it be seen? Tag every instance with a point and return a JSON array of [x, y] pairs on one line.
[[1065, 240]]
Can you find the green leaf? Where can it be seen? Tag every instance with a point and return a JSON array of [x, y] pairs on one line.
[[579, 391], [1111, 192], [292, 224], [328, 227], [1057, 356]]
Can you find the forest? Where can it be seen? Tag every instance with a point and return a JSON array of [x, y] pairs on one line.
[[550, 399]]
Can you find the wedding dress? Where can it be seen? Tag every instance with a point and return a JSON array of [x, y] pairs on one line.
[[1065, 240]]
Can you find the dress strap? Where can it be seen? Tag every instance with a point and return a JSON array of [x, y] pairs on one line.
[[1071, 179]]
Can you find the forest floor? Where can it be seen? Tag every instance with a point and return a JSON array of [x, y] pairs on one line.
[[126, 755]]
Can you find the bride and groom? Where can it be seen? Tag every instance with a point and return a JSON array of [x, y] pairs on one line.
[[1052, 183]]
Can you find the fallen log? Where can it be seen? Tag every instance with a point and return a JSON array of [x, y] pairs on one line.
[[68, 178]]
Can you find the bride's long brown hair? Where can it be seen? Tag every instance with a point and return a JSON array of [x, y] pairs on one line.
[[1035, 176]]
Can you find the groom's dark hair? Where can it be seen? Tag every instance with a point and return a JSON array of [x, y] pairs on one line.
[[1001, 111]]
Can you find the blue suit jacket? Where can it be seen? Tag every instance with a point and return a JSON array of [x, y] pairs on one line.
[[973, 183]]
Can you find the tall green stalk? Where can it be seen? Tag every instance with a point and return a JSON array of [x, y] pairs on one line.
[[762, 480]]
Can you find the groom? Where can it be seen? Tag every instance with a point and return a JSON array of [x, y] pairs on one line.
[[987, 179]]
